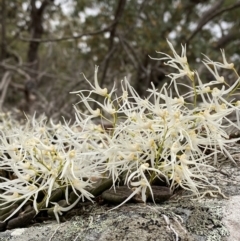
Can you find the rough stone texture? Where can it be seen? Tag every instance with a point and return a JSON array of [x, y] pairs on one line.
[[183, 220], [232, 218]]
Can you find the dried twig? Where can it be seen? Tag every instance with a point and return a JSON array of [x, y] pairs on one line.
[[4, 86], [211, 14], [106, 29]]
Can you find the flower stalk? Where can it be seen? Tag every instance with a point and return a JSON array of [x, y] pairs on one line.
[[159, 137]]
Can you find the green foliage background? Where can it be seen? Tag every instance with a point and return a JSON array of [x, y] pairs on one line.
[[136, 30]]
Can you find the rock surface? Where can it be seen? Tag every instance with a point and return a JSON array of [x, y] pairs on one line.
[[215, 220], [232, 218]]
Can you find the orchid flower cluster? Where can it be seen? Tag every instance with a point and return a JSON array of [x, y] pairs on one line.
[[158, 137]]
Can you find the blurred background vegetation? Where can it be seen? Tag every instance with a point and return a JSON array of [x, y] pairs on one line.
[[45, 45]]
